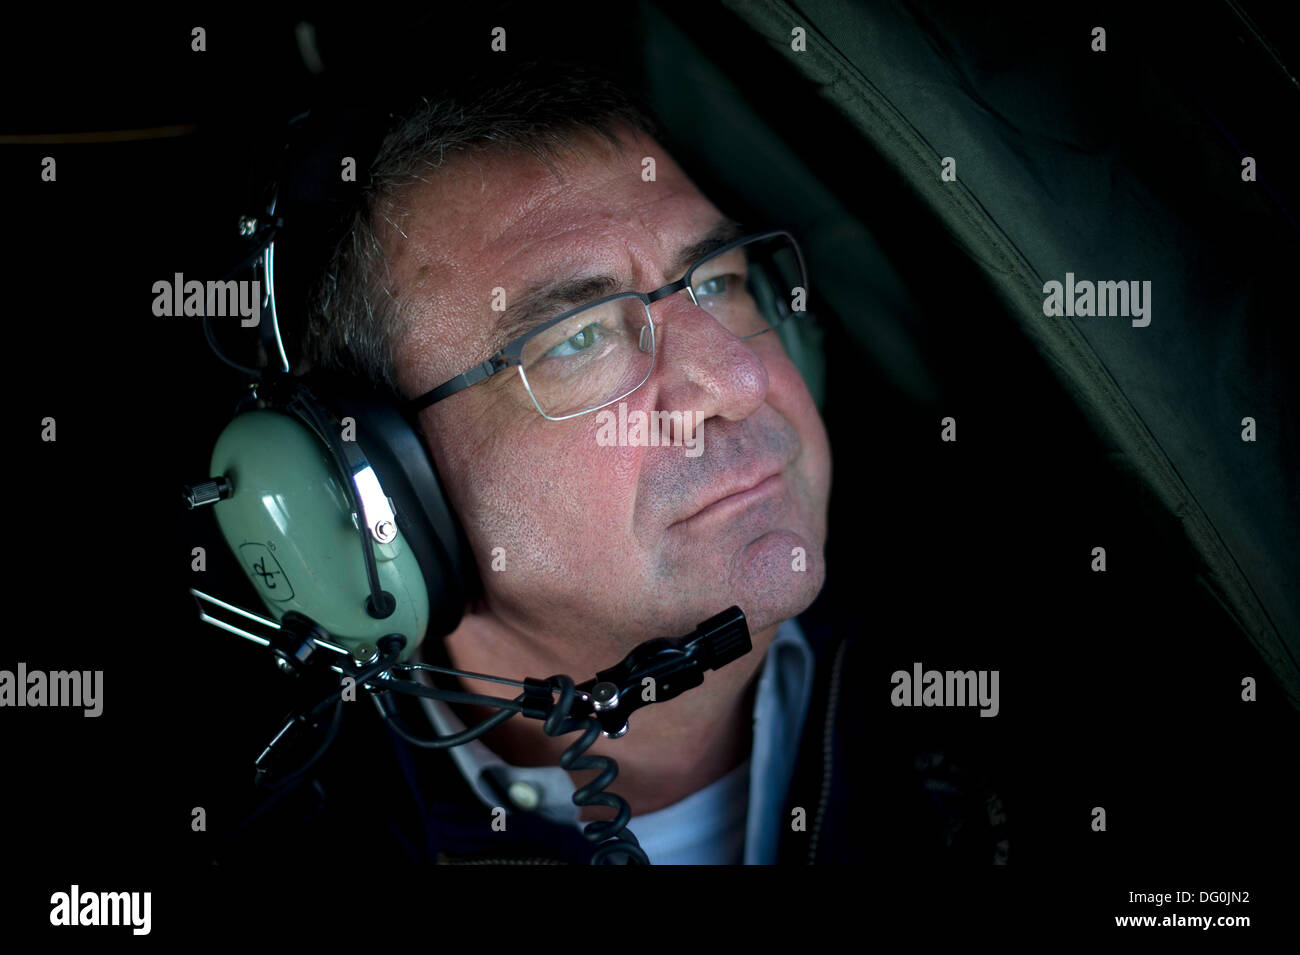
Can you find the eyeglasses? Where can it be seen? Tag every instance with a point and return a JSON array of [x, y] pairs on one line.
[[601, 352]]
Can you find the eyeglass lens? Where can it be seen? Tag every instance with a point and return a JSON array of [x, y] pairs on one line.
[[602, 353]]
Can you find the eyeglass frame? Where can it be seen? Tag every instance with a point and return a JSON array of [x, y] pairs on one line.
[[511, 356]]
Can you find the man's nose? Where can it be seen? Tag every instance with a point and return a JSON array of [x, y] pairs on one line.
[[701, 366]]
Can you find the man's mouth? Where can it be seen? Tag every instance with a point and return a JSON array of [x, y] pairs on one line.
[[736, 498]]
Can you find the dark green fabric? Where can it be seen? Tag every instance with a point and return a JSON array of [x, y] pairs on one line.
[[717, 130], [1047, 187]]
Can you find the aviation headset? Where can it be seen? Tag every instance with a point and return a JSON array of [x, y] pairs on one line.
[[312, 468]]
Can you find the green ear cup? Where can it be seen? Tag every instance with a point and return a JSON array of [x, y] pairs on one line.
[[291, 529]]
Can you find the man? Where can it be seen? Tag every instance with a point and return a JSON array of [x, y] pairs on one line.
[[486, 219]]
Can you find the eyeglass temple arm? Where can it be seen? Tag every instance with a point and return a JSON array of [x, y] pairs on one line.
[[459, 383]]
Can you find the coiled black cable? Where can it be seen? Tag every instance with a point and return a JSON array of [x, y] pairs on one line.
[[615, 841], [612, 834]]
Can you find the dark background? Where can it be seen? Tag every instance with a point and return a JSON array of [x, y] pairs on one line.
[[1117, 689]]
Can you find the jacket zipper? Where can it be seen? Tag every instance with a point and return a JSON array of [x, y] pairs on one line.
[[476, 861], [826, 752]]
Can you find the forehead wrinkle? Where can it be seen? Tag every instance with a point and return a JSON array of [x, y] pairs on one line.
[[439, 216], [549, 193], [430, 273], [623, 242], [635, 267], [468, 203]]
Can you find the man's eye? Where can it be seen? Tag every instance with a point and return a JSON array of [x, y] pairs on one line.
[[719, 285], [576, 343]]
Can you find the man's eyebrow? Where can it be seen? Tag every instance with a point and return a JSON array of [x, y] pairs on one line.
[[546, 300], [728, 230]]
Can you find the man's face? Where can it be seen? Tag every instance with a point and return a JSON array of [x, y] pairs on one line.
[[601, 546]]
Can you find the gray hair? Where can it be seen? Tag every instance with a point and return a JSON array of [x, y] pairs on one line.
[[353, 320]]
